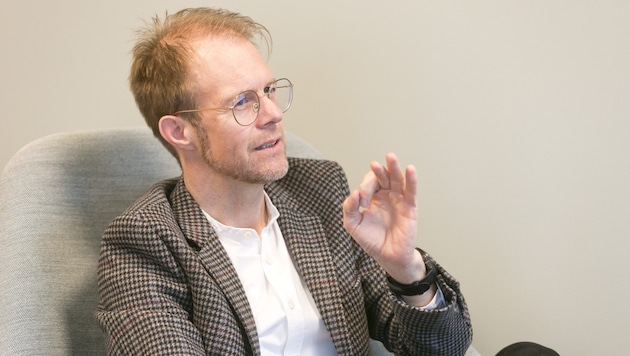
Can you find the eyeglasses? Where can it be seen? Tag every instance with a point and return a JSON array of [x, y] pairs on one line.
[[246, 105]]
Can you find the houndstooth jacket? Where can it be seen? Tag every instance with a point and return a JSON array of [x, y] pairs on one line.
[[167, 285]]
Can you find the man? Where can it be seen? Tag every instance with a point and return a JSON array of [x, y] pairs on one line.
[[249, 252]]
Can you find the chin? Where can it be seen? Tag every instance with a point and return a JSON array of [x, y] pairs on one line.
[[266, 174], [276, 173]]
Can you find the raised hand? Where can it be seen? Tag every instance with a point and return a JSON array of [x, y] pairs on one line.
[[382, 217]]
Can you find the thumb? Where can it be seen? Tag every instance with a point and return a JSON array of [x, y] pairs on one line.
[[351, 211]]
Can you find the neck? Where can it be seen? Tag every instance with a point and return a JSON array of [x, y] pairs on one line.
[[232, 203]]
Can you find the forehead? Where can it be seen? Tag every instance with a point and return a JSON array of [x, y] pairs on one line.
[[226, 65]]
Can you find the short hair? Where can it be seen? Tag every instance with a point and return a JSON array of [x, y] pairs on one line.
[[162, 54]]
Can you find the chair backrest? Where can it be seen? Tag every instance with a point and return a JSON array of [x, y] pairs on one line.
[[57, 196]]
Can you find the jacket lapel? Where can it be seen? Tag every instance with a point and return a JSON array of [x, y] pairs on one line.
[[203, 239], [307, 243]]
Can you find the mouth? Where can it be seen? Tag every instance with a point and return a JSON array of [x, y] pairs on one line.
[[267, 145]]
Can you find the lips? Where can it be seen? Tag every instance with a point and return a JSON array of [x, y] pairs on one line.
[[267, 145]]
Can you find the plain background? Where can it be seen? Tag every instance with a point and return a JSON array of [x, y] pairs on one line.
[[515, 113]]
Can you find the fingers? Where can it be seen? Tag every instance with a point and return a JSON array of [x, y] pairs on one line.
[[368, 187], [396, 179], [389, 177]]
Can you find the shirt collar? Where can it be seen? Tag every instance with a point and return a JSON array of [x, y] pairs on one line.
[[272, 212]]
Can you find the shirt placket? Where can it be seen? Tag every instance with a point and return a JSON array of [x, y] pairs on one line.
[[278, 274]]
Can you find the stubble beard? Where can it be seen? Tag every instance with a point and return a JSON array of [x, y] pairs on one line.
[[240, 169]]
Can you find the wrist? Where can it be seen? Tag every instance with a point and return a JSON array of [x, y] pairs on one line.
[[417, 287]]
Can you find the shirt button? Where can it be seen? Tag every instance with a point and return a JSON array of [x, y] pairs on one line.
[[248, 234], [291, 304], [268, 260]]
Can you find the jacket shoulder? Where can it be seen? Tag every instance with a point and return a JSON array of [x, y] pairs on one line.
[[310, 185], [313, 172], [157, 195]]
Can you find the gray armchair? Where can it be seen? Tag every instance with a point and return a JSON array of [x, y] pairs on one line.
[[57, 195]]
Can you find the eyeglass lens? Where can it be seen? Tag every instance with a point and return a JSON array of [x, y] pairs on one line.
[[247, 104]]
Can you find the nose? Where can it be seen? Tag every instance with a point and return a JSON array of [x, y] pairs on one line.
[[268, 112]]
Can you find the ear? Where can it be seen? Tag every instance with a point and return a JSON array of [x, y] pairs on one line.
[[178, 132]]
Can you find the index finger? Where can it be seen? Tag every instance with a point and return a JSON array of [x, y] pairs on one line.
[[367, 188]]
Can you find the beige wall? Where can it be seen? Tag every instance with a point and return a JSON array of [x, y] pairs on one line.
[[516, 114]]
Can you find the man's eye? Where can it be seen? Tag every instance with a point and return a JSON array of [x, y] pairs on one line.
[[270, 90], [241, 101]]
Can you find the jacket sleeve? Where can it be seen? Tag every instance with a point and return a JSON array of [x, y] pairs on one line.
[[143, 294], [406, 330]]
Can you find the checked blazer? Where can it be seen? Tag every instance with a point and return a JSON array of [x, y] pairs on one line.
[[167, 285]]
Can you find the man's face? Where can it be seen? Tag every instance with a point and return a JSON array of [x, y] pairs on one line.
[[256, 153]]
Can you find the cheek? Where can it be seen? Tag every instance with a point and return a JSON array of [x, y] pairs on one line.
[[227, 144]]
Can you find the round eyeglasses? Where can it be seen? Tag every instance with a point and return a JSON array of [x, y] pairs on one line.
[[246, 105]]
